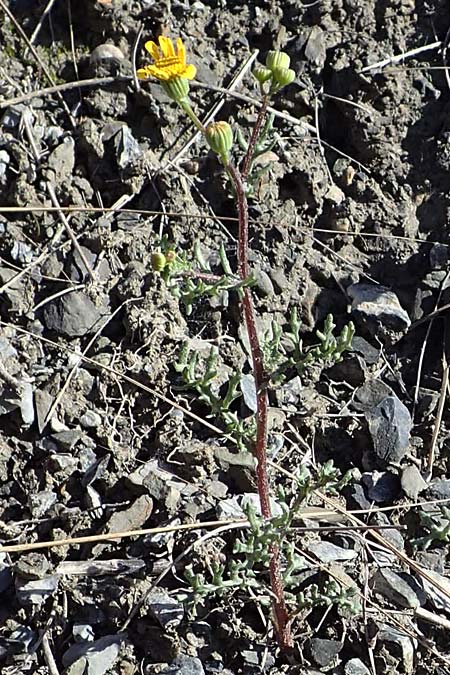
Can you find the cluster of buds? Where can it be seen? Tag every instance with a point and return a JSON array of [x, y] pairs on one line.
[[276, 74]]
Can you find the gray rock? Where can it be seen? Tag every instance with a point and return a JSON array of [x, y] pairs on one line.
[[326, 552], [248, 391], [389, 425], [166, 610], [439, 489], [92, 658], [399, 644], [74, 315], [356, 496], [439, 599], [127, 148], [90, 419], [324, 652], [67, 440], [371, 394], [6, 577], [184, 665], [356, 667], [381, 486], [105, 52], [368, 352], [395, 588], [41, 502], [62, 160], [263, 282], [132, 518], [37, 591], [378, 305], [412, 482], [438, 256], [394, 536]]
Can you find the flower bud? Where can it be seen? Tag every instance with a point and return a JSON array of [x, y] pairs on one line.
[[262, 74], [219, 136], [277, 59], [177, 88], [282, 77], [159, 261]]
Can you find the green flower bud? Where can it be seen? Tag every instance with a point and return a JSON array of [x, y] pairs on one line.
[[282, 77], [177, 88], [262, 74], [159, 261], [277, 59], [219, 136]]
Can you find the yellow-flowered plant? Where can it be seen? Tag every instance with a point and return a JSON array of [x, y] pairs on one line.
[[170, 68], [168, 63]]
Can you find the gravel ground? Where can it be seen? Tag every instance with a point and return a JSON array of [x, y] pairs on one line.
[[98, 432]]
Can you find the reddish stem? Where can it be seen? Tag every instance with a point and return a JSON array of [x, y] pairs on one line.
[[280, 612], [254, 137]]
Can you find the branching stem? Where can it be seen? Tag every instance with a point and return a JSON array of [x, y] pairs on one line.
[[281, 616]]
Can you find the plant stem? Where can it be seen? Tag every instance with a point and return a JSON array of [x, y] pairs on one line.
[[186, 106], [281, 617], [246, 164]]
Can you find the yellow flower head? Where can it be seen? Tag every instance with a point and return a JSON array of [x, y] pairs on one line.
[[168, 64]]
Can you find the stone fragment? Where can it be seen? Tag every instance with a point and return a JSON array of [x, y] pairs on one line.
[[327, 552], [399, 644], [37, 591], [74, 315], [325, 652], [396, 589], [376, 305], [390, 425], [166, 610], [184, 665], [412, 482], [356, 667], [438, 489], [92, 657]]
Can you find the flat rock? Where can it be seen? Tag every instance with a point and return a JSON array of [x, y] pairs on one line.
[[389, 424], [439, 489], [378, 305], [74, 315], [395, 588], [92, 658], [184, 665], [324, 652], [166, 610], [412, 482], [399, 644], [326, 552], [356, 667]]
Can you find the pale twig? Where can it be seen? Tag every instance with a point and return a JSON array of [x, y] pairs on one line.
[[69, 231], [136, 83], [110, 536], [401, 57], [34, 34], [58, 88], [185, 214], [438, 417], [48, 655]]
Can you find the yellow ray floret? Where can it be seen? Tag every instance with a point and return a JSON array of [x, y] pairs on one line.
[[168, 63]]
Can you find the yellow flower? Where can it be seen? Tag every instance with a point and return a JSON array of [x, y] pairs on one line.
[[168, 64]]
